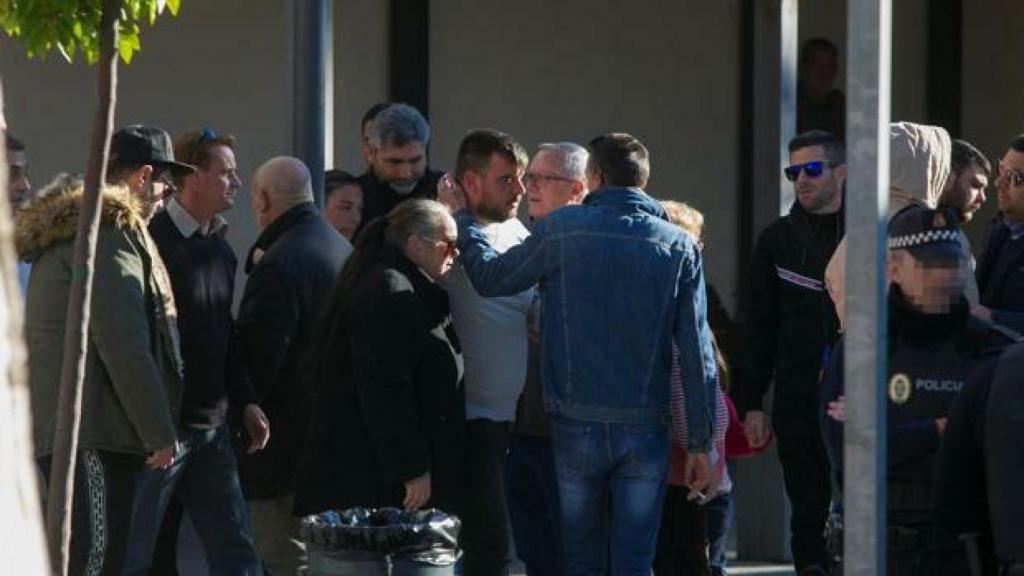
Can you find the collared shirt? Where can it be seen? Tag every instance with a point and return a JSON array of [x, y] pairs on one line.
[[187, 224]]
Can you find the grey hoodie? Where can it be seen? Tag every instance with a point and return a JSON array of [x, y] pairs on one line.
[[919, 170]]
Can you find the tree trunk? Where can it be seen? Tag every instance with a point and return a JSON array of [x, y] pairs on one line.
[[21, 528], [69, 408]]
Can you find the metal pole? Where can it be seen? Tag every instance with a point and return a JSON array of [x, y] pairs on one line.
[[310, 58], [789, 22], [868, 110]]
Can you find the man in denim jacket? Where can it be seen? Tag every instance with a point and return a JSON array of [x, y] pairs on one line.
[[620, 285]]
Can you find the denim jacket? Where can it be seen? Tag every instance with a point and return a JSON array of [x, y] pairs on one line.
[[620, 284]]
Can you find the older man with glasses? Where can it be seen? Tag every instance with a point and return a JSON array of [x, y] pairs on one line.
[[1001, 272]]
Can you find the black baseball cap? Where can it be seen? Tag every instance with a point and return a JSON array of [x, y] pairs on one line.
[[140, 144], [929, 235]]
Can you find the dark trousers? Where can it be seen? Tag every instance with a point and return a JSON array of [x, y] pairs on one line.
[[532, 489], [101, 509], [204, 477], [805, 470], [682, 538], [923, 551], [485, 525], [720, 512]]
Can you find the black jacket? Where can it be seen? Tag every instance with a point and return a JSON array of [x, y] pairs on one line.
[[790, 319], [291, 269], [379, 198], [391, 405], [930, 357], [1001, 276]]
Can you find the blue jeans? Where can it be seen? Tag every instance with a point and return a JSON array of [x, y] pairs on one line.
[[205, 478], [532, 490], [611, 481]]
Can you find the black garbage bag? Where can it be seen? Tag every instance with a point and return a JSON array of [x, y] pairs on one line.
[[427, 536]]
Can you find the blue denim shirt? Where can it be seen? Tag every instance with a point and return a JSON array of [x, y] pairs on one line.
[[620, 283]]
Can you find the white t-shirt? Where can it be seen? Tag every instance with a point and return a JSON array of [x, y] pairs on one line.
[[492, 332]]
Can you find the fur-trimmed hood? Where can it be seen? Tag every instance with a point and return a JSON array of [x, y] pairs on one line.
[[52, 217]]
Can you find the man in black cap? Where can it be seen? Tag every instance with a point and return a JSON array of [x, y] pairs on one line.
[[935, 344], [133, 377]]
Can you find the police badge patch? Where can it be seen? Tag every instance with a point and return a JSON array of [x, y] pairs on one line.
[[899, 388]]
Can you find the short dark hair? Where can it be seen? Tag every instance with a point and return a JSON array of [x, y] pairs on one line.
[[13, 143], [335, 179], [372, 113], [965, 154], [479, 145], [621, 160], [834, 150], [818, 44], [1018, 143]]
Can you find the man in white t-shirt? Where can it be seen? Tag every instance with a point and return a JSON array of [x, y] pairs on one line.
[[493, 334]]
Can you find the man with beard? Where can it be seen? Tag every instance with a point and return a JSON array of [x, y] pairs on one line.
[[966, 195], [492, 331], [791, 323], [1001, 272], [397, 137], [133, 378]]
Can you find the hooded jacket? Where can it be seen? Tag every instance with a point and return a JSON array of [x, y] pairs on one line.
[[133, 379], [920, 159]]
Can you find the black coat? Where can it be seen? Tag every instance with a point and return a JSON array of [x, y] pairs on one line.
[[291, 270], [790, 318], [379, 198], [391, 405], [1001, 277]]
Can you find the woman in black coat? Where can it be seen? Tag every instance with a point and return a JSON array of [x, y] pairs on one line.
[[390, 410]]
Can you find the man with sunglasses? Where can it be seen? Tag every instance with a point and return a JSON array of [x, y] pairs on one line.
[[489, 171], [1001, 271], [190, 235], [791, 322]]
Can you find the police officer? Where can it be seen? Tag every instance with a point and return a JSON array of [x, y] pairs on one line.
[[934, 346], [980, 465]]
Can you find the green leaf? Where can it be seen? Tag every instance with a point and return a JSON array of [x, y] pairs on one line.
[[126, 50], [173, 6]]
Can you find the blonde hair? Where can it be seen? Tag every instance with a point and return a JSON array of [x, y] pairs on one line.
[[685, 216]]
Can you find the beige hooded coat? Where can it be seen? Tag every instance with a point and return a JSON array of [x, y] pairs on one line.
[[919, 171]]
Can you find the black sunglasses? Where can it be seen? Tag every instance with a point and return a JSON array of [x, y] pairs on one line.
[[813, 169]]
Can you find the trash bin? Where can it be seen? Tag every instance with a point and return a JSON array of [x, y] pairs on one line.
[[372, 542]]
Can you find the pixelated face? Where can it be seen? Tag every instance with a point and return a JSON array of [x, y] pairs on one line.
[[344, 209], [500, 187], [967, 194], [932, 286], [547, 189], [818, 184], [1010, 185], [401, 167]]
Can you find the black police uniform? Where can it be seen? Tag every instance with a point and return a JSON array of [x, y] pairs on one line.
[[981, 459], [931, 356]]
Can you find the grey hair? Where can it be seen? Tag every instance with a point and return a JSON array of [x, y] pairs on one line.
[[417, 217], [398, 125], [571, 156]]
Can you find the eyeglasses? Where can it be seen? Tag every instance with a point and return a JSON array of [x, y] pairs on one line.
[[812, 169], [540, 179], [1014, 176], [207, 135], [450, 246]]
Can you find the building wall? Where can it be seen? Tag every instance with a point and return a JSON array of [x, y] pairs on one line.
[[571, 70]]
